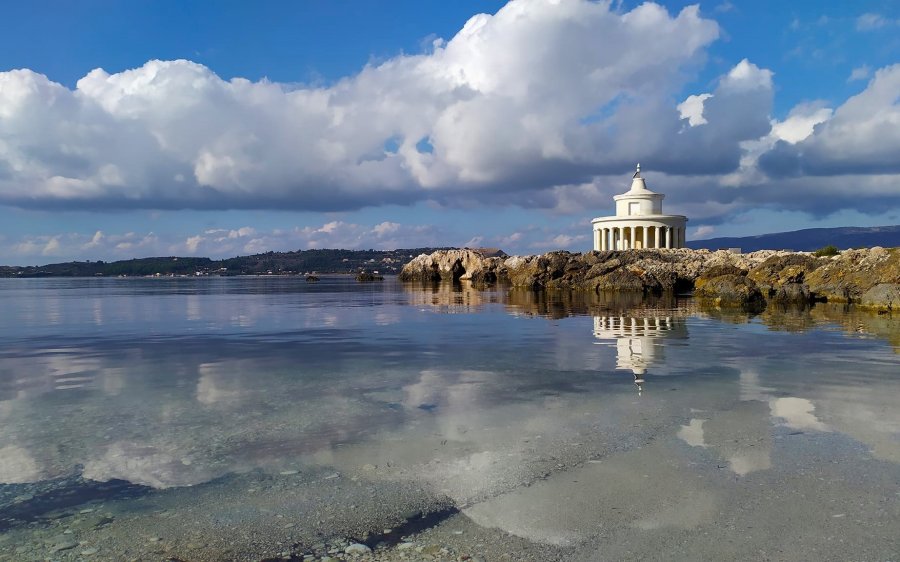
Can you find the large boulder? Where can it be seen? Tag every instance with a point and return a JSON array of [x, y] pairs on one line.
[[848, 276], [729, 286], [883, 296], [452, 265], [782, 278]]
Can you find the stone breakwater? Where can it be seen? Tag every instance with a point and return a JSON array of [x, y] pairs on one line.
[[868, 277]]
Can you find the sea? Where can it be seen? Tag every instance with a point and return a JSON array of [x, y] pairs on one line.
[[271, 418]]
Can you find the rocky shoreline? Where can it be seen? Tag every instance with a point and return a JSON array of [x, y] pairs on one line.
[[869, 277]]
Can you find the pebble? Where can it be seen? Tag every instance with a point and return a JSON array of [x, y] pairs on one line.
[[405, 545], [288, 472], [65, 545], [357, 548], [88, 551]]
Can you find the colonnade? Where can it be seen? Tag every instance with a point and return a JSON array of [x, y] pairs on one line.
[[636, 237], [630, 326]]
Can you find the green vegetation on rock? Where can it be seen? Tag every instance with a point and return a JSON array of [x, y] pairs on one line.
[[825, 251]]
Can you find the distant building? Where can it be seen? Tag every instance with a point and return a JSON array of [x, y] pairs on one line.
[[639, 221]]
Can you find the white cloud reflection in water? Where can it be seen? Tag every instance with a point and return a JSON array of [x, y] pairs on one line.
[[471, 405]]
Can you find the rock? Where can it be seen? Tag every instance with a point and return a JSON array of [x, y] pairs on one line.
[[729, 290], [453, 265], [747, 280], [846, 278], [406, 545], [884, 296], [357, 548], [781, 278], [311, 278], [64, 545]]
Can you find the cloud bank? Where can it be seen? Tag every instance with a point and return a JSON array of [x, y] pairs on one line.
[[545, 104], [540, 94]]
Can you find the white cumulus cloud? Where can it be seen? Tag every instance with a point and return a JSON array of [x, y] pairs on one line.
[[537, 95]]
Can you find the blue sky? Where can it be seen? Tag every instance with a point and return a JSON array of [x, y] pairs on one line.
[[233, 127]]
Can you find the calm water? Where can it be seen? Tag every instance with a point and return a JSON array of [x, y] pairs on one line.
[[599, 428]]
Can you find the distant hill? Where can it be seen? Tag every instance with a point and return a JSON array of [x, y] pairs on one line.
[[809, 239], [269, 263]]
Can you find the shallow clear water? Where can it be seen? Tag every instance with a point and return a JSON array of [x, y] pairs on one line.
[[568, 420]]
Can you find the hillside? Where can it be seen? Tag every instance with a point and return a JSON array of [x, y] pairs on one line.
[[808, 240], [269, 263]]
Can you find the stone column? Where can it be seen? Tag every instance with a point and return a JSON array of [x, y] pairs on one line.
[[669, 232], [656, 230], [646, 242], [632, 239], [683, 237]]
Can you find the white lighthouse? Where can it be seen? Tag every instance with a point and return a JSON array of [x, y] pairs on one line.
[[639, 221]]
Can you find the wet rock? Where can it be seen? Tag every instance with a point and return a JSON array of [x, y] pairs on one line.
[[847, 277], [884, 296], [742, 279], [730, 290], [782, 278]]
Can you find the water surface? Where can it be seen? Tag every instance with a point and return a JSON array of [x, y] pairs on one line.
[[267, 413]]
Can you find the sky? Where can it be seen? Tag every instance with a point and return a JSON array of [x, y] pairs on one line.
[[161, 127]]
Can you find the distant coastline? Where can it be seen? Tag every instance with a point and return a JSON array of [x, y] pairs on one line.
[[301, 262], [390, 262]]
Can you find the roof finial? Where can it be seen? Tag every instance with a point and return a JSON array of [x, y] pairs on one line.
[[637, 174]]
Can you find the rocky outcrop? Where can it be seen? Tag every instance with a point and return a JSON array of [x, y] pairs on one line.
[[782, 278], [882, 297], [453, 265], [729, 289], [746, 280], [850, 275]]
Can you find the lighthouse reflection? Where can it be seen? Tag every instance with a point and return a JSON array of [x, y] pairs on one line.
[[637, 340]]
